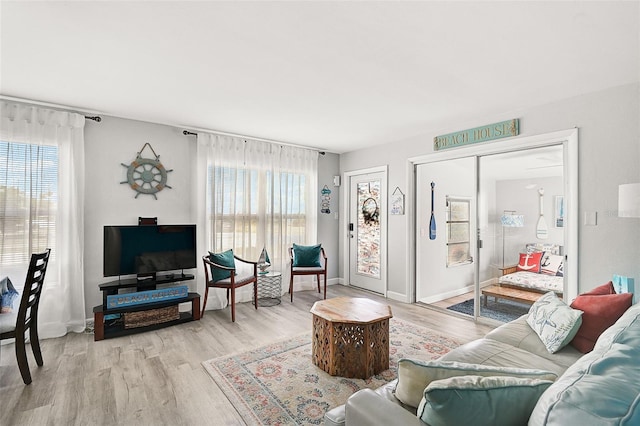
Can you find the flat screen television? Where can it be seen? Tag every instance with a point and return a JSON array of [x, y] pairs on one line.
[[147, 249]]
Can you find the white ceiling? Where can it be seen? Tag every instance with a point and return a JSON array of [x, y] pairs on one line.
[[337, 76]]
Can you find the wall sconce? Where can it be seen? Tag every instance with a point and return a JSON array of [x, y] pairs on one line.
[[629, 200]]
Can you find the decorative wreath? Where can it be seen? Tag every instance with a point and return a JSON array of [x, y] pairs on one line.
[[370, 211]]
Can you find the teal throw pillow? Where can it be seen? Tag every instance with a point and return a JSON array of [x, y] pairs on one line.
[[306, 256], [223, 259], [480, 400], [415, 375]]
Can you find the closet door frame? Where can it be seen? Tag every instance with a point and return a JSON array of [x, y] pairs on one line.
[[569, 141]]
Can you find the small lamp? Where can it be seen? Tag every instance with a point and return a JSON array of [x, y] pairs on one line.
[[510, 220], [629, 200], [263, 261]]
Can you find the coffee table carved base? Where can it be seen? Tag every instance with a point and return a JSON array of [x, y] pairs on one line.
[[351, 350]]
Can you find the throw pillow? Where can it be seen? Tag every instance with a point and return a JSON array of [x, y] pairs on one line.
[[306, 256], [480, 400], [552, 264], [553, 321], [414, 376], [601, 311], [530, 262], [8, 294], [602, 289], [223, 259]]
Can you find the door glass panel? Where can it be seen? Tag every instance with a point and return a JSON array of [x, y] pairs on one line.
[[368, 229], [508, 223], [458, 232]]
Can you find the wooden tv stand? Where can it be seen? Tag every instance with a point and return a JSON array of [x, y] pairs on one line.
[[113, 328]]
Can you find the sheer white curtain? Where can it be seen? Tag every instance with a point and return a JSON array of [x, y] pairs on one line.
[[251, 195], [26, 215]]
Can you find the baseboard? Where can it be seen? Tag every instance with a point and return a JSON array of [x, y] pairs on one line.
[[400, 297], [442, 296]]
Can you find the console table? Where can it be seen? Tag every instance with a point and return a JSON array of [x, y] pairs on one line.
[[107, 328]]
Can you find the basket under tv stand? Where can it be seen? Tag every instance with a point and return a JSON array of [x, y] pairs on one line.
[[105, 329]]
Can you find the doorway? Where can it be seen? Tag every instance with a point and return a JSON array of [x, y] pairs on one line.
[[489, 202], [367, 230]]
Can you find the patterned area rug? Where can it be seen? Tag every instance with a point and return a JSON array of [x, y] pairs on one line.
[[278, 384], [503, 310]]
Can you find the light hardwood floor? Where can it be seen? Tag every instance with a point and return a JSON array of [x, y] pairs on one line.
[[157, 377]]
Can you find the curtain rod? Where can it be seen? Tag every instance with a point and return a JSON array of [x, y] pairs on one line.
[[189, 133], [95, 118], [98, 119]]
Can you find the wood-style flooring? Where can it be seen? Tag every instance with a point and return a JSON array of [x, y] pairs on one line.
[[156, 378]]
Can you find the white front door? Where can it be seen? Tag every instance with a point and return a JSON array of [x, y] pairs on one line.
[[367, 231]]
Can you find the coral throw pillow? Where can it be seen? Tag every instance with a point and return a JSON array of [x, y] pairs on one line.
[[601, 311], [602, 289], [530, 262]]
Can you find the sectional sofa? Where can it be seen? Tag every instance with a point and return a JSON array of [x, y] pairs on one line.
[[510, 377]]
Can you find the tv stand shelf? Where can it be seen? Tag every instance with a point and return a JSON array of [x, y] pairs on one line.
[[111, 288], [116, 328]]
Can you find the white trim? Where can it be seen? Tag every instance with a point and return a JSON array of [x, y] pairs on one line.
[[396, 296], [410, 252], [506, 145], [567, 138], [446, 295], [346, 197], [570, 160]]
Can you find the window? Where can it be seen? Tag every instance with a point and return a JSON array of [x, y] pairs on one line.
[[252, 208], [28, 203], [458, 232]]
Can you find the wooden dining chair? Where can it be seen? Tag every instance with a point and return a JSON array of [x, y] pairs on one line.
[[15, 325], [230, 282], [316, 267]]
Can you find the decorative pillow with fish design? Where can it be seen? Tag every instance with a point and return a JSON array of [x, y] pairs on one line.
[[553, 321]]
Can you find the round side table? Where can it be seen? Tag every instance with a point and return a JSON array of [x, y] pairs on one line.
[[269, 288]]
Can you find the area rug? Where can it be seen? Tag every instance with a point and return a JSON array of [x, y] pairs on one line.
[[278, 384], [503, 310]]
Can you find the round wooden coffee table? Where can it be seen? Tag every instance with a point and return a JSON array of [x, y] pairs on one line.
[[351, 336]]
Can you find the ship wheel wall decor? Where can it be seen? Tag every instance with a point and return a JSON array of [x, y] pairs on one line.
[[146, 175]]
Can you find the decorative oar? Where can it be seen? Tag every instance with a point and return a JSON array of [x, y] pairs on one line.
[[432, 222], [541, 227]]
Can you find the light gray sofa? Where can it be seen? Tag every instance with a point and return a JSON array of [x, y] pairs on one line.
[[598, 388]]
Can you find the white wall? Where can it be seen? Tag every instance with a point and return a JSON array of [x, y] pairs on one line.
[[107, 202], [514, 195], [609, 154], [328, 167]]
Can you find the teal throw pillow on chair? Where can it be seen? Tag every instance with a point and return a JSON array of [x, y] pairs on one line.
[[306, 256], [223, 259]]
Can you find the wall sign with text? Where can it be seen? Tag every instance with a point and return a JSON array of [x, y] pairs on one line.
[[504, 129]]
